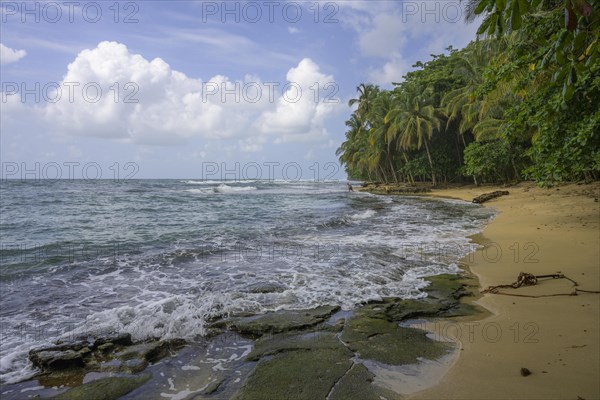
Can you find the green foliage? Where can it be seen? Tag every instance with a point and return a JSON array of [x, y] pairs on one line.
[[488, 161], [523, 102], [561, 156]]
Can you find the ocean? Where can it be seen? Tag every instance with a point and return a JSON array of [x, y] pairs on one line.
[[162, 258]]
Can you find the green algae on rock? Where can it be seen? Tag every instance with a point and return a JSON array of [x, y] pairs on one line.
[[271, 345], [297, 375], [357, 384], [281, 321], [303, 361], [386, 342], [104, 389]]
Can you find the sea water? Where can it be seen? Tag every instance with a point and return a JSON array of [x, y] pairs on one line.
[[161, 258]]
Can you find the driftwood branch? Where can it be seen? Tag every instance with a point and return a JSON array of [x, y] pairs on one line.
[[489, 196]]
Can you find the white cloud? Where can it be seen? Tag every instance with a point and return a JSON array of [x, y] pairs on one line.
[[8, 55], [293, 30], [301, 111], [252, 144], [147, 102], [406, 33], [392, 71]]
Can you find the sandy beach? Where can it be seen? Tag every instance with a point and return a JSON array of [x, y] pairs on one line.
[[540, 231]]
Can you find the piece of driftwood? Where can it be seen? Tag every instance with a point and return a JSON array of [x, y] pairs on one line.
[[489, 196]]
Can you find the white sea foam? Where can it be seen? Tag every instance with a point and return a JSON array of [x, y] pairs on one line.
[[363, 215], [223, 188]]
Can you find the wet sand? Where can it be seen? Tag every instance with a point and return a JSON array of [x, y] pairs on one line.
[[540, 231]]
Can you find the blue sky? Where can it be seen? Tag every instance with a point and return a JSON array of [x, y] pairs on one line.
[[177, 87]]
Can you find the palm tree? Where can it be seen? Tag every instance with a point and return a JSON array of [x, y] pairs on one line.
[[367, 93], [380, 132], [459, 104], [475, 112], [352, 151], [414, 119]]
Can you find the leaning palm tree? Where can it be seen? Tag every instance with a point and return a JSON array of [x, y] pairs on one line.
[[414, 119]]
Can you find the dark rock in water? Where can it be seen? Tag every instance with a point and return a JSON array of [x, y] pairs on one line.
[[143, 351], [65, 355], [48, 360], [266, 287], [135, 366], [67, 363], [123, 339], [276, 322], [104, 389], [525, 372], [64, 346], [104, 347]]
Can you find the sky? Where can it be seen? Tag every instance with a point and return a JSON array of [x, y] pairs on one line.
[[200, 89]]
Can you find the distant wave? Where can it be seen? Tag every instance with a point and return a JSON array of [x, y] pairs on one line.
[[222, 188], [215, 182]]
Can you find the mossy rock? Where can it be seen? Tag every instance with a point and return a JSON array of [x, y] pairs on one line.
[[445, 288], [213, 386], [271, 345], [296, 375], [443, 295], [461, 310], [360, 328], [357, 385], [150, 351], [104, 389], [386, 342], [281, 321], [406, 309]]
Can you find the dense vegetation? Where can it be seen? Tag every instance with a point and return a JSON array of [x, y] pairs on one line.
[[521, 102]]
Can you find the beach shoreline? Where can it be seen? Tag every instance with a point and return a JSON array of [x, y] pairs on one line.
[[535, 230], [555, 338]]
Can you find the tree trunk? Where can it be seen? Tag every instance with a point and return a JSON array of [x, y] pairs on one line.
[[382, 172], [430, 163], [460, 161], [389, 156], [512, 160], [410, 176], [465, 145]]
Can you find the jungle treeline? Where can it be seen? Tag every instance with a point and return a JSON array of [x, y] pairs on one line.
[[520, 102]]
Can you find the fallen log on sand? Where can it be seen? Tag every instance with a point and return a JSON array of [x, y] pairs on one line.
[[489, 196]]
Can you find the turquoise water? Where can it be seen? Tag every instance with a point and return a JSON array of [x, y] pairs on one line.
[[158, 258]]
